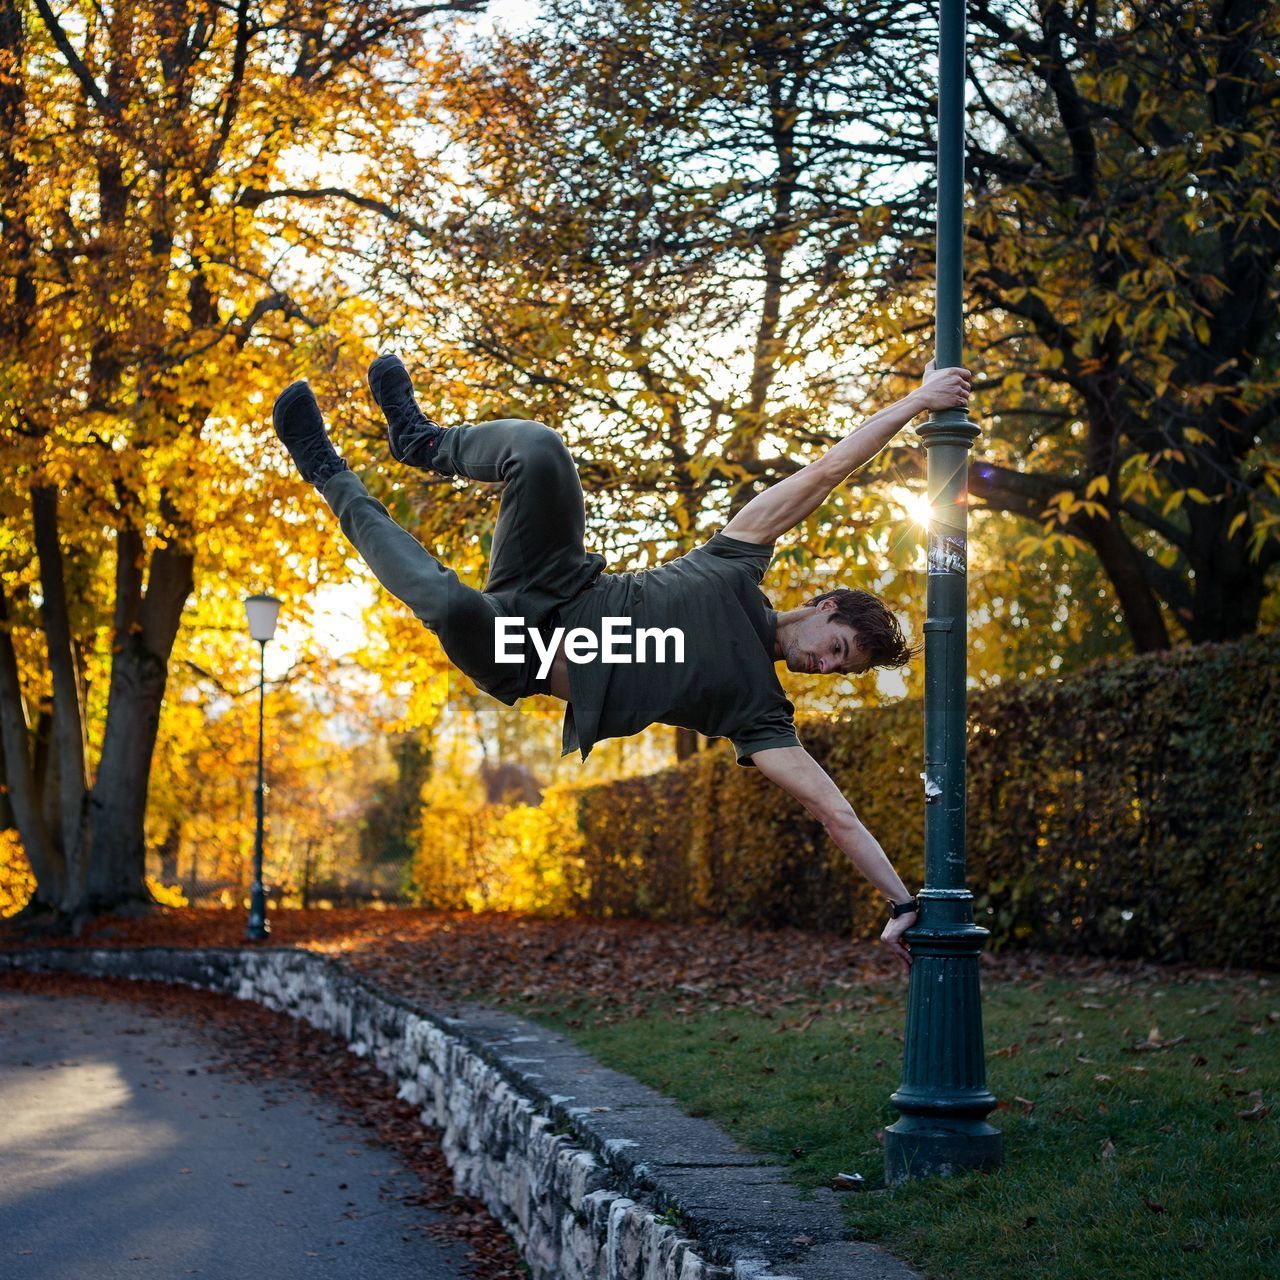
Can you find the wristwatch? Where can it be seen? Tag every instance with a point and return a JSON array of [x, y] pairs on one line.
[[897, 909]]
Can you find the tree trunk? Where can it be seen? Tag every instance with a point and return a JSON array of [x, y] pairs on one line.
[[1026, 494], [7, 821], [23, 797], [306, 875], [1227, 607], [1122, 562], [169, 854], [687, 743], [68, 746], [1229, 587], [139, 672], [45, 768]]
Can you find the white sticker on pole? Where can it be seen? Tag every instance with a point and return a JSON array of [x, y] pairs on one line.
[[947, 552]]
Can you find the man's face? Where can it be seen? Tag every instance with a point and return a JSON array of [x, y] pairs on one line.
[[820, 645]]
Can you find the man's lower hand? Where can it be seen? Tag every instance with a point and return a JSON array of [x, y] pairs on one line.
[[892, 937]]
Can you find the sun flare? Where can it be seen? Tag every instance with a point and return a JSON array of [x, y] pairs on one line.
[[916, 505]]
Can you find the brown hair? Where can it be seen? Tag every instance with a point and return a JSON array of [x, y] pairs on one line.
[[879, 632]]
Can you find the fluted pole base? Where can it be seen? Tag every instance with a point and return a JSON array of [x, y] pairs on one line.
[[943, 1099]]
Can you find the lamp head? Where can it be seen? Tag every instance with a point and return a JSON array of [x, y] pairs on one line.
[[262, 611]]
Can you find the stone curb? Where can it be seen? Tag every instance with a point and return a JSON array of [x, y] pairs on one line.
[[596, 1176]]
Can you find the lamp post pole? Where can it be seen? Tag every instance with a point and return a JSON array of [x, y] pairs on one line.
[[943, 1098], [258, 926], [262, 611]]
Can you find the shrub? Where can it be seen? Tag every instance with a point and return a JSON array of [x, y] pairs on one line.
[[1130, 809]]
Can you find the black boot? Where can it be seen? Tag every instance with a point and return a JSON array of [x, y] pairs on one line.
[[299, 425], [414, 438]]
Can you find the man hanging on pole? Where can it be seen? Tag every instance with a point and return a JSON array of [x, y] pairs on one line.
[[691, 643]]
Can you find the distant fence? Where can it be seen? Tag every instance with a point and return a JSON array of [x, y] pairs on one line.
[[1131, 809]]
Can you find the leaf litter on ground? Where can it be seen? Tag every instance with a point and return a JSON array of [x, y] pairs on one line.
[[612, 968]]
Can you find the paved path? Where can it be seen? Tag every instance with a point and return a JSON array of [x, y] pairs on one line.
[[123, 1155]]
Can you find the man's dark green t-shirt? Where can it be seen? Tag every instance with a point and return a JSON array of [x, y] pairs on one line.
[[726, 687]]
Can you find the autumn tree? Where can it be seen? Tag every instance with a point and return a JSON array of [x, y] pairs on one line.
[[201, 814], [392, 812], [700, 221], [160, 281], [1123, 255], [670, 249], [646, 236]]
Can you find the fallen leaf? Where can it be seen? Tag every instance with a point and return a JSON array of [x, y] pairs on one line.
[[1155, 1046]]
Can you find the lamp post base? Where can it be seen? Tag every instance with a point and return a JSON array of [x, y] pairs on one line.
[[943, 1099], [920, 1148], [259, 927]]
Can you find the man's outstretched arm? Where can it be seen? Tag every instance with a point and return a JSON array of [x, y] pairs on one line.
[[784, 505], [799, 774]]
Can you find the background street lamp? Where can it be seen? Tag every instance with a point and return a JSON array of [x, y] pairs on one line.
[[262, 611], [943, 1099]]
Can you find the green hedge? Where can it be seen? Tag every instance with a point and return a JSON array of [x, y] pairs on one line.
[[1131, 809]]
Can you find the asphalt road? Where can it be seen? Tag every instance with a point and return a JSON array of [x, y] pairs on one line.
[[123, 1155]]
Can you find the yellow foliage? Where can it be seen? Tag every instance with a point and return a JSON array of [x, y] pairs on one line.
[[481, 857], [165, 894], [17, 884], [153, 310]]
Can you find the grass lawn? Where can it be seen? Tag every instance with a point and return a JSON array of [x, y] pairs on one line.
[[1137, 1113]]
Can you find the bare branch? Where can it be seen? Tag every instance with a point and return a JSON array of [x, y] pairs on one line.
[[82, 73]]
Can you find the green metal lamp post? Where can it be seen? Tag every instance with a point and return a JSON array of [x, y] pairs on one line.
[[262, 611], [943, 1099]]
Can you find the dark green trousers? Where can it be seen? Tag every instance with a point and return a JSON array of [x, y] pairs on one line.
[[537, 560]]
